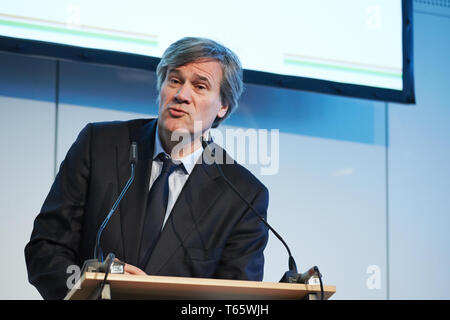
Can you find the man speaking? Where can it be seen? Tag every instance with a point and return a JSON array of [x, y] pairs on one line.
[[179, 217]]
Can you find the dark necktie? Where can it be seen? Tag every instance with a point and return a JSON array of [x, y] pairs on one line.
[[156, 210]]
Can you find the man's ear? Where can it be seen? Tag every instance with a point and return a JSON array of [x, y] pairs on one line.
[[222, 111]]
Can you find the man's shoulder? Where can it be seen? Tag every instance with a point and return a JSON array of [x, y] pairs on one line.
[[237, 173], [117, 129], [120, 125]]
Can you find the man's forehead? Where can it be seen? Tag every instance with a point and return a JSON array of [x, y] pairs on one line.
[[208, 68]]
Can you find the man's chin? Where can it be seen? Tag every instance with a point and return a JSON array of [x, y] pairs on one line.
[[176, 126]]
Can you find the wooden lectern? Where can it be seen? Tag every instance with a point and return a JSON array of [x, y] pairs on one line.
[[138, 287]]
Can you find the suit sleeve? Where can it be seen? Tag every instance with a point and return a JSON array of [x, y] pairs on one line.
[[242, 257], [54, 242]]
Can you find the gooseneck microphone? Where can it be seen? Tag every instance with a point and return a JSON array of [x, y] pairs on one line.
[[290, 276], [292, 265], [98, 254], [109, 265]]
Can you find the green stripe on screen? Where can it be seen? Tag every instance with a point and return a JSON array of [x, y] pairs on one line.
[[82, 33], [342, 68]]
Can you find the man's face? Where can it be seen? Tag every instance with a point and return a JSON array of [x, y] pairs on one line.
[[191, 93]]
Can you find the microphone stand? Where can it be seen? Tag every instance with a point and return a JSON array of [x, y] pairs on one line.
[[290, 276], [109, 265]]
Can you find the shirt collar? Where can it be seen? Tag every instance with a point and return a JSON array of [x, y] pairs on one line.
[[188, 161]]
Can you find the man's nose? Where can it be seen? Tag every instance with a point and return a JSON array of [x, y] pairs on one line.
[[184, 94]]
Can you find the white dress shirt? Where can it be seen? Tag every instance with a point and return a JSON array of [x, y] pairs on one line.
[[178, 178]]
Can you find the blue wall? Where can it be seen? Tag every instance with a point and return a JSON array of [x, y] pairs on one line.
[[361, 185]]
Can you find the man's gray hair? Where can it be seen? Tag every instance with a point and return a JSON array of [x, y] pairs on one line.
[[190, 49]]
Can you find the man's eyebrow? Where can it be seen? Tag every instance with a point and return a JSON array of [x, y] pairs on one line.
[[174, 71], [202, 78], [197, 77]]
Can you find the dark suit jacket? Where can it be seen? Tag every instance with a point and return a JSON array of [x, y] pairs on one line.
[[210, 232]]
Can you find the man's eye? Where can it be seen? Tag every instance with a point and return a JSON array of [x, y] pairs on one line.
[[200, 87], [174, 81]]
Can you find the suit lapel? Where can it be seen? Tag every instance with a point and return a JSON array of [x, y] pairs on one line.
[[195, 200], [133, 205]]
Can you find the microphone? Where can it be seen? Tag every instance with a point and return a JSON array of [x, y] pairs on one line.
[[105, 267], [305, 276], [133, 153], [110, 264], [290, 276], [98, 254]]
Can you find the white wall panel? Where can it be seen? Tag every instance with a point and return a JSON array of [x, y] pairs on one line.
[[419, 171], [27, 135]]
